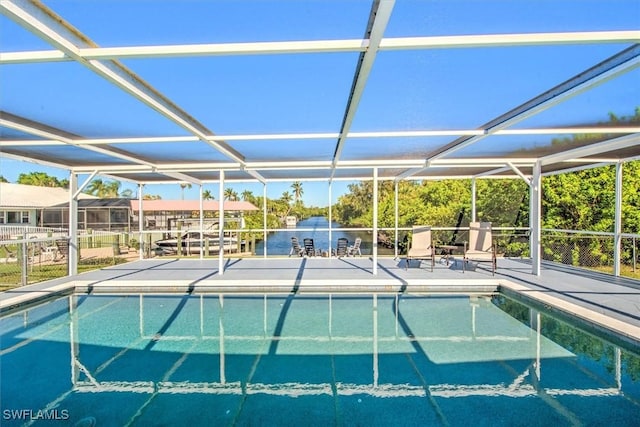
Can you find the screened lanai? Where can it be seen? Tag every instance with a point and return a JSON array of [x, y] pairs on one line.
[[269, 91]]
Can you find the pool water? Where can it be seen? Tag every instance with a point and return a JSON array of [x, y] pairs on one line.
[[265, 360]]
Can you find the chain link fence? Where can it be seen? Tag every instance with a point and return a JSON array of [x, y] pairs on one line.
[[30, 260], [591, 250], [26, 261]]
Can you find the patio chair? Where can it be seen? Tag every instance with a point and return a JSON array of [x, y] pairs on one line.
[[342, 247], [421, 245], [295, 247], [355, 248], [309, 248], [63, 247], [49, 252], [480, 247]]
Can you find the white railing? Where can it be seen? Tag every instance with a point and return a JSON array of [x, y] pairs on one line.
[[9, 232], [587, 249]]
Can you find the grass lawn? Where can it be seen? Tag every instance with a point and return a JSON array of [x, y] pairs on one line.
[[11, 275]]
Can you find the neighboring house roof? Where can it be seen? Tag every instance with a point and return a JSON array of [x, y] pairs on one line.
[[33, 196], [116, 202], [190, 205]]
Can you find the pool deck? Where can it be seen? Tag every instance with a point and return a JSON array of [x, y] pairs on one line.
[[605, 301]]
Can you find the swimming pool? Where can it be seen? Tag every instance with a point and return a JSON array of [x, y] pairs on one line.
[[381, 359]]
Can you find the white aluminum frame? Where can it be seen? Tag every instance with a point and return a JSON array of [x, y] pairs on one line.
[[71, 45]]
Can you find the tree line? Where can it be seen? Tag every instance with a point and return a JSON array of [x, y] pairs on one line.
[[581, 200]]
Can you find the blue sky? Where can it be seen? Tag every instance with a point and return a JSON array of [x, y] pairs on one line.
[[407, 90]]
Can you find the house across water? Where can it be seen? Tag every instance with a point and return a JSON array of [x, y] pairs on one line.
[[291, 221], [28, 205]]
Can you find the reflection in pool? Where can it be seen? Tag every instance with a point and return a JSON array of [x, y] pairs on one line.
[[384, 359]]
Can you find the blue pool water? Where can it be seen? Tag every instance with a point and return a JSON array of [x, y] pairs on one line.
[[308, 360]]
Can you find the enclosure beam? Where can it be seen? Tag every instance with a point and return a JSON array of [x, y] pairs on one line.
[[330, 219], [519, 173], [378, 20], [221, 224], [84, 184], [39, 129], [613, 67], [73, 253], [374, 246], [264, 219], [395, 215], [619, 143], [608, 69], [617, 228], [201, 206], [327, 135], [324, 46], [179, 176], [45, 24], [474, 190], [535, 219], [141, 241]]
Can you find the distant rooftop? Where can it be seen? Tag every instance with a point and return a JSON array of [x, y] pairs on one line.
[[191, 205], [32, 196]]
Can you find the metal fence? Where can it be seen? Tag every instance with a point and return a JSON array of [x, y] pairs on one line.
[[9, 232], [34, 259], [31, 259], [593, 250], [25, 261]]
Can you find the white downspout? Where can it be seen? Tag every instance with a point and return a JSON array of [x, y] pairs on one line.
[[617, 238], [201, 223], [73, 252], [374, 247], [221, 224], [535, 218], [395, 244], [264, 219], [141, 241], [330, 219], [473, 199]]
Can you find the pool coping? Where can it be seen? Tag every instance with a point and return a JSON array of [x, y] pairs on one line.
[[602, 325]]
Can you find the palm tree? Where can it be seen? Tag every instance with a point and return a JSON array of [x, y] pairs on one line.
[[3, 179], [207, 195], [247, 196], [105, 189], [230, 194], [297, 191], [184, 185], [95, 187], [128, 193], [286, 198], [146, 196], [112, 189]]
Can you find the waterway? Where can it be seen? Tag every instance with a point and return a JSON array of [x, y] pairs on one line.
[[316, 228]]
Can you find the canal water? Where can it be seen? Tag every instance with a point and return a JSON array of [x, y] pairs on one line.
[[316, 228]]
